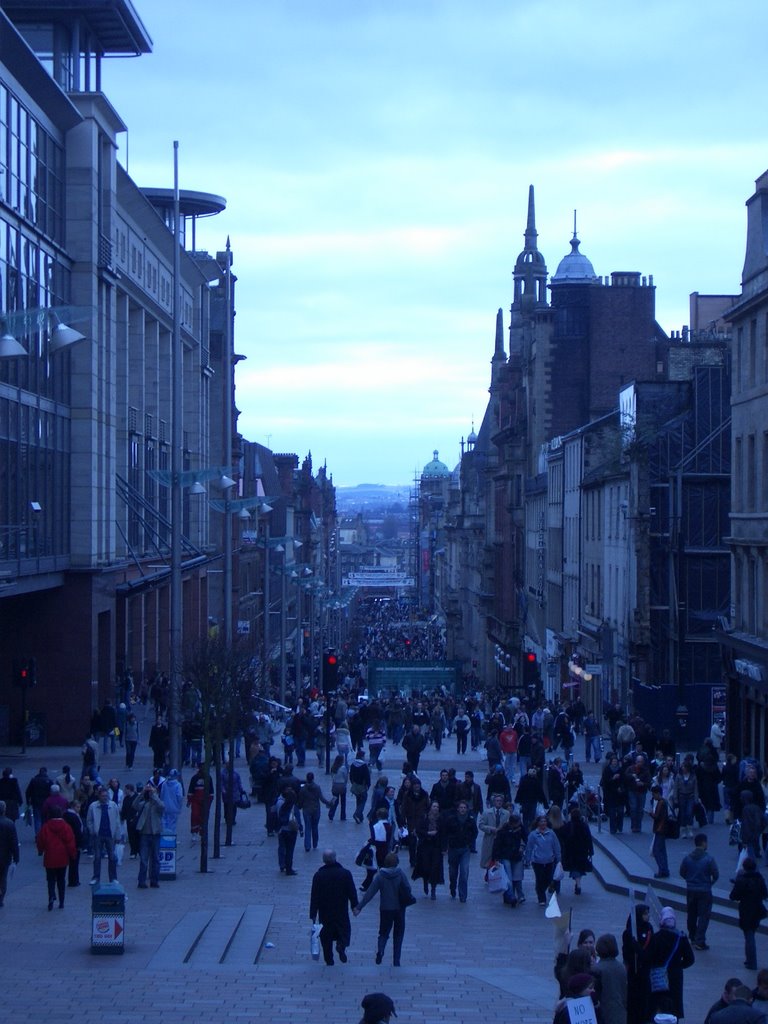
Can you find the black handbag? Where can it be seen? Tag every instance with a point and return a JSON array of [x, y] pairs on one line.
[[672, 827], [407, 899]]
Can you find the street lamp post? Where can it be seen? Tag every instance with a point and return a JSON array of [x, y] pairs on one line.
[[242, 507], [176, 479], [177, 434]]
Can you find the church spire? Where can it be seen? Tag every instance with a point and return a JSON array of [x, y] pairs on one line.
[[499, 349], [531, 234], [530, 274]]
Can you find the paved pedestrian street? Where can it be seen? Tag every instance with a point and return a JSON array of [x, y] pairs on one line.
[[190, 945]]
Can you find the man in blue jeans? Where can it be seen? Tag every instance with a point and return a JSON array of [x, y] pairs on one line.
[[700, 873], [310, 798], [149, 824], [103, 821], [460, 833], [637, 778]]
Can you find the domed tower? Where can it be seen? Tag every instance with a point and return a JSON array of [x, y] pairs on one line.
[[571, 290], [435, 470]]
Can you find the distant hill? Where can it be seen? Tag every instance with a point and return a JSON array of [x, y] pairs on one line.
[[368, 496]]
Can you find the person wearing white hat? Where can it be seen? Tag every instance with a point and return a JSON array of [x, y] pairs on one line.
[[671, 950]]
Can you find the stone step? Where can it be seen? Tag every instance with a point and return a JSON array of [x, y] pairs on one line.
[[622, 871], [226, 938]]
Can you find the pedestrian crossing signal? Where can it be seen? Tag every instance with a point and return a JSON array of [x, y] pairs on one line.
[[330, 671], [25, 672]]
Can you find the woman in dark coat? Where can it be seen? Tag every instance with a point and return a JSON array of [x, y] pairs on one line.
[[429, 851], [509, 848], [634, 942], [708, 777], [668, 947], [10, 791], [749, 890], [576, 843]]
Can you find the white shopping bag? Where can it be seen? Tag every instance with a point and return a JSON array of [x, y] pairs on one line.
[[496, 877], [314, 941], [553, 907]]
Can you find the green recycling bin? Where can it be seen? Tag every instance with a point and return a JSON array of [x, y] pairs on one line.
[[108, 918]]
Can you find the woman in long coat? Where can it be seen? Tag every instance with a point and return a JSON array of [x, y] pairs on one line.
[[749, 890], [576, 842], [634, 942], [429, 851], [669, 947]]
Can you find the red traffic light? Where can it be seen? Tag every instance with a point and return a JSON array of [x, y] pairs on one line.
[[530, 657], [331, 659]]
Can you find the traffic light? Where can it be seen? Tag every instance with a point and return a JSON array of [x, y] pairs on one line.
[[330, 672], [531, 675], [25, 672]]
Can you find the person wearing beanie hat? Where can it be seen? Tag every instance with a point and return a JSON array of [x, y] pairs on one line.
[[670, 949], [378, 1008], [579, 985], [667, 918]]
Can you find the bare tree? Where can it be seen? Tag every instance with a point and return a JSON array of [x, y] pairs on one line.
[[222, 677]]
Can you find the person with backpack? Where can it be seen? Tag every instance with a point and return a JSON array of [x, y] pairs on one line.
[[359, 784], [395, 895]]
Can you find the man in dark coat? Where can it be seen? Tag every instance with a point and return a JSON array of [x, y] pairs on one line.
[[413, 744], [9, 849], [333, 892], [37, 793]]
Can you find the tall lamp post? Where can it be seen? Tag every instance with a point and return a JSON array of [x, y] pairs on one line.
[[242, 508], [177, 479]]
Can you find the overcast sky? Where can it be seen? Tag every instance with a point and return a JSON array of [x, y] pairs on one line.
[[376, 156]]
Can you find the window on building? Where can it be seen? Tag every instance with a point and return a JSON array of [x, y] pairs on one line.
[[752, 596], [752, 370]]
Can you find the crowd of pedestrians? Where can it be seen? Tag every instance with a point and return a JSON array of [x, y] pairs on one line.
[[526, 821]]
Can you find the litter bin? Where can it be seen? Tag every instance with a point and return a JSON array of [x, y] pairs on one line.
[[167, 857], [108, 918]]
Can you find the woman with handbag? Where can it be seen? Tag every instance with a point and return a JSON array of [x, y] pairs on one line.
[[666, 956], [288, 827], [749, 890], [429, 851], [578, 850], [395, 895], [508, 848], [339, 780], [685, 793]]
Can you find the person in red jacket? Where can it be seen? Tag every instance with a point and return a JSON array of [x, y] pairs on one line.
[[56, 842]]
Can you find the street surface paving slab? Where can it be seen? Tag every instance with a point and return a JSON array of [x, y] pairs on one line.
[[233, 944]]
